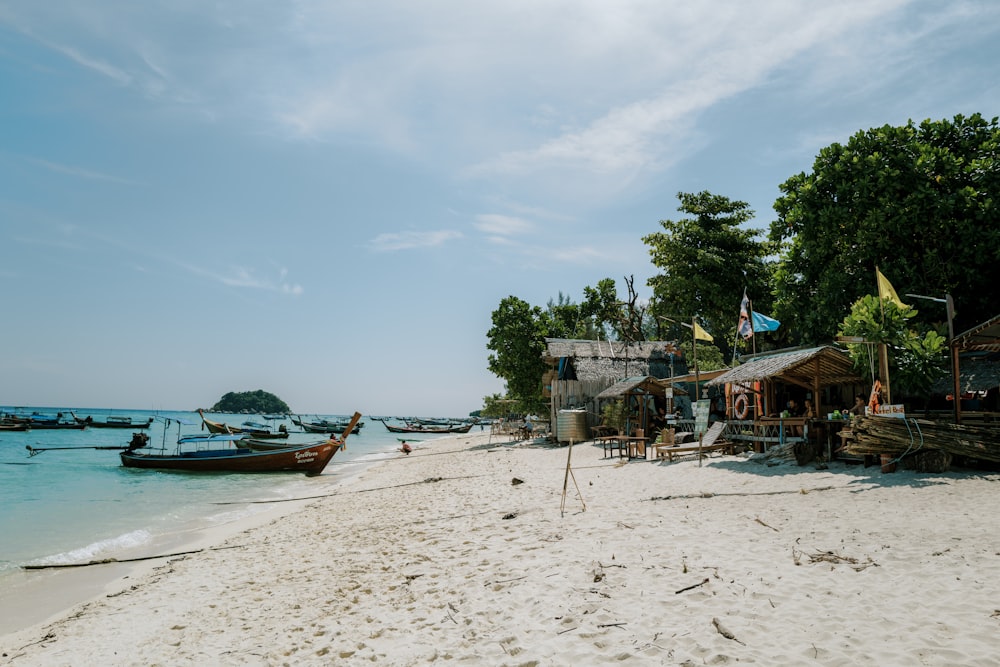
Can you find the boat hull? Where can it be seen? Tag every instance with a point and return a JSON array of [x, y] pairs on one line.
[[310, 459], [116, 424], [428, 429]]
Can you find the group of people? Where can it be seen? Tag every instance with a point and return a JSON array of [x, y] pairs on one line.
[[809, 412]]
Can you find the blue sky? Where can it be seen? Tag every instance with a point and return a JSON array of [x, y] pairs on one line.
[[327, 200]]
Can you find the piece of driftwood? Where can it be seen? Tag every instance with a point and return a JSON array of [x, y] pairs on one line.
[[692, 586], [724, 632], [889, 435]]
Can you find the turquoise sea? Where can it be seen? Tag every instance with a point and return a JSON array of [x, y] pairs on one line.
[[78, 505]]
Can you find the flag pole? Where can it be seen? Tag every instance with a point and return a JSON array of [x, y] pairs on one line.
[[883, 353], [694, 356]]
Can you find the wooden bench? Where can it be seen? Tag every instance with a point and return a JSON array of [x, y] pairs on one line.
[[670, 452], [667, 446]]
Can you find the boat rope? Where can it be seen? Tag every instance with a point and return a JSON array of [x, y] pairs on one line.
[[910, 432]]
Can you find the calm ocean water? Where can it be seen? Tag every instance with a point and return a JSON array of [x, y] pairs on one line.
[[77, 505]]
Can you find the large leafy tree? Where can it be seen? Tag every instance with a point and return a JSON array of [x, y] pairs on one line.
[[517, 341], [920, 202], [707, 260]]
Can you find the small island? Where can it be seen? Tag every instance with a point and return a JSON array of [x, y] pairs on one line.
[[253, 402]]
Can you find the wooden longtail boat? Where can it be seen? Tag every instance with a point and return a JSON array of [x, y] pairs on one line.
[[325, 426], [310, 459], [417, 428], [113, 421], [256, 444], [260, 432]]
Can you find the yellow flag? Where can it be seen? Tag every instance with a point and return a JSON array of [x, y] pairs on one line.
[[885, 290], [701, 334]]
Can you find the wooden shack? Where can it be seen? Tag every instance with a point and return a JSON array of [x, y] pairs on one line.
[[581, 369], [757, 392]]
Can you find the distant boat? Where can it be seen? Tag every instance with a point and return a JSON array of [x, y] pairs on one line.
[[113, 421], [15, 426], [310, 459], [327, 425], [419, 428], [250, 428], [37, 421]]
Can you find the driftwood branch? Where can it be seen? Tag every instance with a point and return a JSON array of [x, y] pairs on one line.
[[692, 586]]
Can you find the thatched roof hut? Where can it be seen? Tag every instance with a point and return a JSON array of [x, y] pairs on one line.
[[811, 368], [589, 360]]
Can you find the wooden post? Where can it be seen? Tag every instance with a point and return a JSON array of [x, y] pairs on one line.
[[569, 473]]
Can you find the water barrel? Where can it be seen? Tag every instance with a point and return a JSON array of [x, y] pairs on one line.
[[572, 425]]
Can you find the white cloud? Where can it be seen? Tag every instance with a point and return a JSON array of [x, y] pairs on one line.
[[243, 277], [502, 225], [80, 172], [393, 241]]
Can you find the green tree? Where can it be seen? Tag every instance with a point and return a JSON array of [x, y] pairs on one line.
[[517, 341], [706, 262], [565, 319], [919, 202], [916, 359], [613, 318]]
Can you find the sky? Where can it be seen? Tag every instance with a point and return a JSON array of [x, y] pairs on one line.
[[328, 200]]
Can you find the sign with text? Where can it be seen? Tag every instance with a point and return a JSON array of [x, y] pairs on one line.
[[701, 410]]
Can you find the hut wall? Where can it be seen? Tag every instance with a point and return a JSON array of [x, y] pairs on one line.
[[567, 394]]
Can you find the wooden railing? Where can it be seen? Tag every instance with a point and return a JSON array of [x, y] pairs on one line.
[[768, 431]]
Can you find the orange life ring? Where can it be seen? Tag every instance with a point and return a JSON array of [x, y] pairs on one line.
[[741, 406]]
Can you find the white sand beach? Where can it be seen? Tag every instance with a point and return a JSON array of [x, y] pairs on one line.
[[439, 558]]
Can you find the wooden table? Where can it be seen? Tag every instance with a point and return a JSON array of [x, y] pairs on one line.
[[635, 444], [610, 443]]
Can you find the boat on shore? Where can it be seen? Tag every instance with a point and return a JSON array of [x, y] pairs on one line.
[[409, 427], [310, 459]]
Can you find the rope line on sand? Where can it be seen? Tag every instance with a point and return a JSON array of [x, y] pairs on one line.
[[429, 480], [709, 494]]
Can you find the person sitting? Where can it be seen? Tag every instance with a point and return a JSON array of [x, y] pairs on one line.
[[859, 406], [528, 428]]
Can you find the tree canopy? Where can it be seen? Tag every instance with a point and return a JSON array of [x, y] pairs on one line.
[[920, 202], [258, 401], [517, 339], [706, 262]]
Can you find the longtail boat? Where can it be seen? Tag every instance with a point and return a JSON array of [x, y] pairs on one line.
[[256, 430], [259, 445], [310, 459], [113, 421], [418, 428]]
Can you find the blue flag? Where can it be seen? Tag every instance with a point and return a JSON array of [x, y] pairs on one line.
[[764, 323]]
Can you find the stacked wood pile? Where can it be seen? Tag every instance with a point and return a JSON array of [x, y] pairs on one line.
[[895, 437]]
